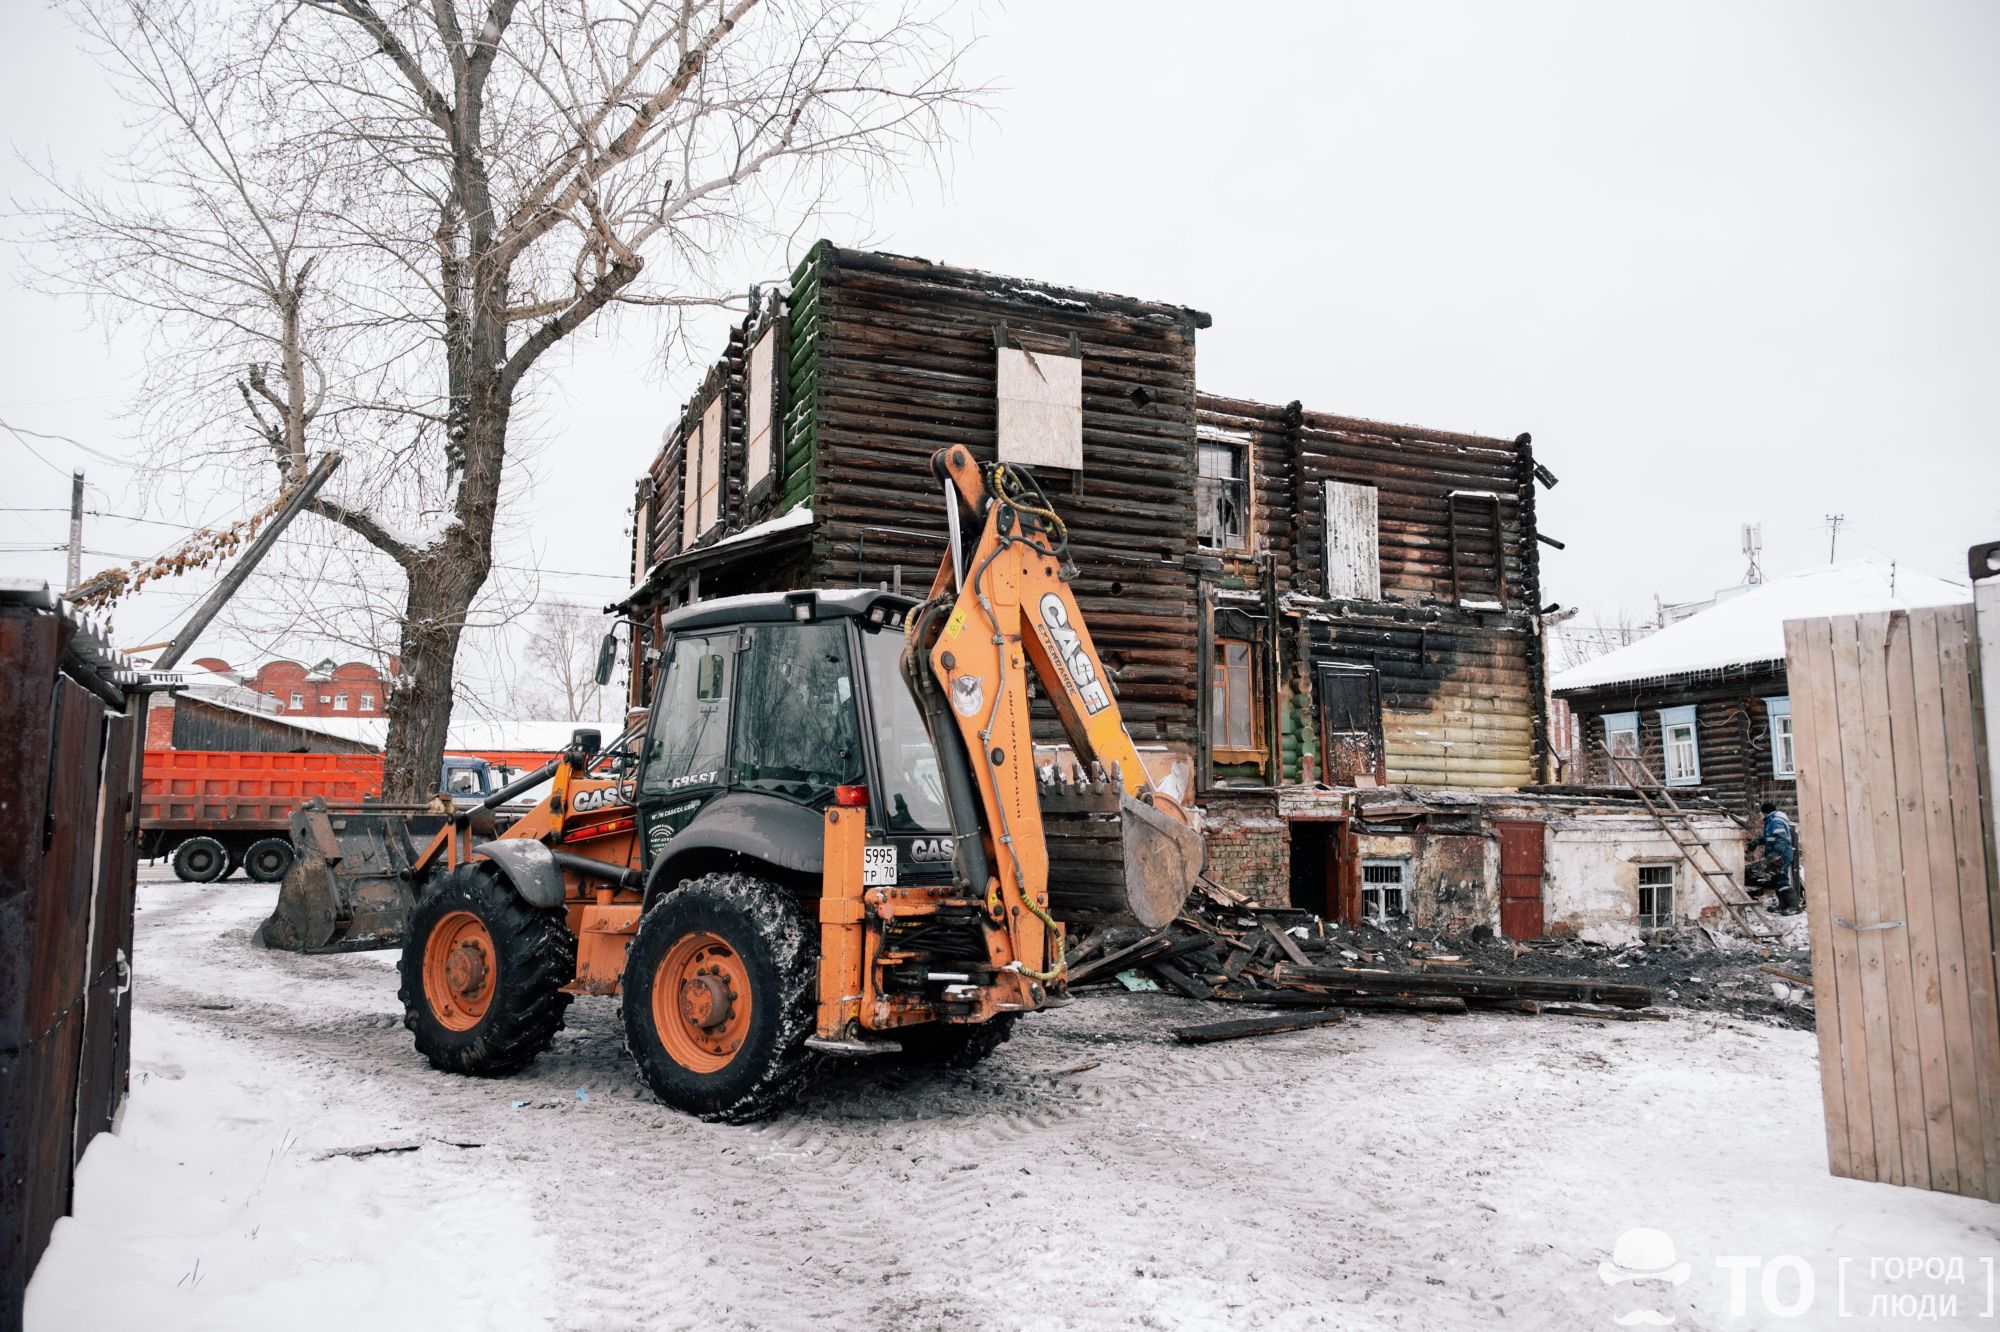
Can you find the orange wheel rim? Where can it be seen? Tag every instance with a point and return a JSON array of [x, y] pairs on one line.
[[701, 1002], [460, 971]]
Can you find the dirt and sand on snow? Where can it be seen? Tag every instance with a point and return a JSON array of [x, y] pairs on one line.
[[1395, 1172]]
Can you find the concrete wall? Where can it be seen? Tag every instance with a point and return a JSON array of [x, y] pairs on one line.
[[1590, 884]]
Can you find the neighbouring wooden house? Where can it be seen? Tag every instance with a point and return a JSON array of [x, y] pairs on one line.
[[1704, 703], [1303, 613]]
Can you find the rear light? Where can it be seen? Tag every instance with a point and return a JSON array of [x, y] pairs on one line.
[[851, 797]]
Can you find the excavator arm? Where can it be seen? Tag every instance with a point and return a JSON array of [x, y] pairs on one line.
[[1011, 612]]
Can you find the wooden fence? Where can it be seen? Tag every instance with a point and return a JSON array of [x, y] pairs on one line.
[[1893, 848], [69, 753]]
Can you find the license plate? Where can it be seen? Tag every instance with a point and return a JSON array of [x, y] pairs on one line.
[[878, 866]]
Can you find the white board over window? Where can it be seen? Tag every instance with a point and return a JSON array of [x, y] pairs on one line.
[[757, 465], [1041, 409], [1353, 542], [690, 485], [711, 465]]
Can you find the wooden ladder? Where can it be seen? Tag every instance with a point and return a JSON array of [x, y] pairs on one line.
[[1667, 812]]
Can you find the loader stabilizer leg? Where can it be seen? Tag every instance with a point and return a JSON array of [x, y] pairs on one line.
[[841, 941]]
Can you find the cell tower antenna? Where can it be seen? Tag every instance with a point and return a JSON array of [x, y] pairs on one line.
[[1753, 547]]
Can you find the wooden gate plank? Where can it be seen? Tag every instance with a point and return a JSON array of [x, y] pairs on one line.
[[1830, 892], [1864, 908], [1885, 887], [1961, 1059], [1921, 941], [1969, 852]]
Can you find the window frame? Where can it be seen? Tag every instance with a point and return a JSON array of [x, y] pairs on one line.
[[1221, 677], [722, 775], [1775, 708], [1381, 917], [1617, 724], [1671, 720], [1239, 451], [1464, 509], [340, 702], [367, 702], [1658, 921], [298, 699]]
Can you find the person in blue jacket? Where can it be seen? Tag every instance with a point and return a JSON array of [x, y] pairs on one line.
[[1779, 846]]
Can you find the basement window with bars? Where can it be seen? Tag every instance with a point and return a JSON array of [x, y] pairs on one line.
[[1385, 895], [1222, 495], [1656, 897]]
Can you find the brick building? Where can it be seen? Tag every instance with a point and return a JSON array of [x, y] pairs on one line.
[[326, 689]]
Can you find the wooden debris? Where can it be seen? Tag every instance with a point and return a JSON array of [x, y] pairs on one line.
[[1258, 1026], [1783, 975]]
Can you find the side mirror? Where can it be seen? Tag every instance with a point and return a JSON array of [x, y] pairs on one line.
[[586, 741], [607, 657]]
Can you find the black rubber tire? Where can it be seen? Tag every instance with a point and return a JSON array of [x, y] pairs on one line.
[[200, 860], [776, 939], [268, 858], [955, 1045], [535, 956]]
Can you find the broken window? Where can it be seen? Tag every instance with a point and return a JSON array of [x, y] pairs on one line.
[[1353, 542], [1222, 495], [1478, 552], [1233, 728], [1784, 755], [1385, 891], [1656, 897], [1680, 746]]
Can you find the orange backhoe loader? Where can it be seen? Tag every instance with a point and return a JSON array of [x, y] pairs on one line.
[[826, 837]]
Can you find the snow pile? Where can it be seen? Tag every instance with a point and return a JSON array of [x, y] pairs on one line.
[[1749, 627]]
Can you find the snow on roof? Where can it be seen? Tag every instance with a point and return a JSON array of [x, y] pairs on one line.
[[464, 734], [1749, 627]]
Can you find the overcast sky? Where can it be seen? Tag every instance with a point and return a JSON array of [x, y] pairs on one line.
[[1729, 262]]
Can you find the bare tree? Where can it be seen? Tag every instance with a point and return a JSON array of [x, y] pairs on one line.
[[366, 222], [564, 653]]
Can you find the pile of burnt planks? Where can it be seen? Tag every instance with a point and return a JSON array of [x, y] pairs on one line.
[[1224, 949]]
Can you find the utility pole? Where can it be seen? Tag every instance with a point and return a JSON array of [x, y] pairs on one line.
[[75, 530], [1833, 522]]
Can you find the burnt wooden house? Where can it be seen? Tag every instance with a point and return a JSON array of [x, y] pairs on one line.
[[1704, 703], [1289, 601]]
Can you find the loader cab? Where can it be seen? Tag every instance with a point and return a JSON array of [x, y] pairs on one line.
[[766, 708], [466, 779]]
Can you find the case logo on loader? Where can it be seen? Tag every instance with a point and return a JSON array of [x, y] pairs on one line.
[[1069, 651], [931, 848], [603, 797]]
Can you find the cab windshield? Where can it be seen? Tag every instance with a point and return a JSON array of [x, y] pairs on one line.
[[912, 788]]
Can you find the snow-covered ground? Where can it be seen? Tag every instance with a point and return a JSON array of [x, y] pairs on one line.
[[1393, 1173]]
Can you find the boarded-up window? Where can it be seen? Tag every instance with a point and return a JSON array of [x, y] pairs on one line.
[[1478, 554], [1353, 542], [1041, 408], [758, 462], [711, 466], [690, 486]]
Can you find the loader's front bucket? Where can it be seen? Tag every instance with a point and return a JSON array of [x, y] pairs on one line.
[[1114, 860], [350, 887]]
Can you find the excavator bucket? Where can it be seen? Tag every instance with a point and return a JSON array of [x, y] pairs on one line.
[[350, 887], [1114, 860]]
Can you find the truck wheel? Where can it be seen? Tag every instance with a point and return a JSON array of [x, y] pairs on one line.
[[955, 1045], [200, 860], [720, 996], [482, 974], [267, 859]]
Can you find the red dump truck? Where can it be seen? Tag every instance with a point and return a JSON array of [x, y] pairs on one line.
[[214, 811]]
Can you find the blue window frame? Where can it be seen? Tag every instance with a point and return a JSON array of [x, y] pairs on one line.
[[1680, 746], [1784, 753]]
